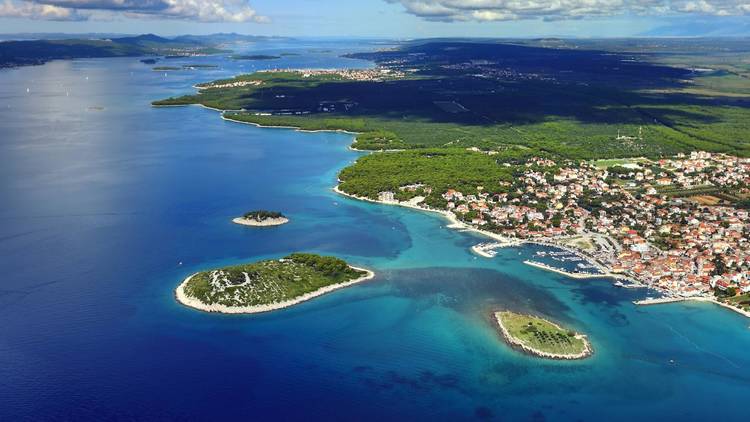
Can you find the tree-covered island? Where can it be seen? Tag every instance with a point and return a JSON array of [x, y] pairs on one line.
[[542, 338], [268, 285], [261, 218]]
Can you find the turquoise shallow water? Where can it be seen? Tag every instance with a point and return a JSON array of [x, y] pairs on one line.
[[100, 207]]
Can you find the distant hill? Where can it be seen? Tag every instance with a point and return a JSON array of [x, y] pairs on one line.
[[36, 36], [24, 53], [34, 52], [146, 39]]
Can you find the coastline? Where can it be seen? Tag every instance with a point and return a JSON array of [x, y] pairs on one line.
[[189, 105], [515, 343], [194, 303], [295, 128], [662, 300], [459, 225], [454, 222], [269, 222]]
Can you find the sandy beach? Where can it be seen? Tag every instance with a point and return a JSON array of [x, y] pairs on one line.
[[588, 351], [197, 304]]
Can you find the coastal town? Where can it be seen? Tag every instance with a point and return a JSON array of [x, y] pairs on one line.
[[377, 74], [669, 224]]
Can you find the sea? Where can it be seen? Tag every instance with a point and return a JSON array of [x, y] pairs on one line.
[[107, 204]]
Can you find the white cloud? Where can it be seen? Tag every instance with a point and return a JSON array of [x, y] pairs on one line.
[[197, 10], [30, 10], [212, 10], [500, 10]]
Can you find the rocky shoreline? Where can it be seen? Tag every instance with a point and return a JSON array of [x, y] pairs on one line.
[[268, 222], [518, 344], [194, 303]]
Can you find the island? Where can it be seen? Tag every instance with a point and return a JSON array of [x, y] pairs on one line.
[[197, 66], [268, 285], [186, 67], [255, 57], [539, 337], [261, 218]]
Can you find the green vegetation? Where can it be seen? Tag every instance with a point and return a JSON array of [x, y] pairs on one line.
[[378, 140], [742, 301], [541, 335], [261, 215], [268, 282], [549, 110], [566, 102], [440, 169]]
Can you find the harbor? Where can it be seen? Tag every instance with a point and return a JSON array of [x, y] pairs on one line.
[[489, 249]]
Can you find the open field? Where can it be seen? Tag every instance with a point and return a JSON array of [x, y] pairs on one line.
[[743, 301], [705, 200]]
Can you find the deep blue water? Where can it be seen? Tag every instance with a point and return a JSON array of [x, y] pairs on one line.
[[103, 197]]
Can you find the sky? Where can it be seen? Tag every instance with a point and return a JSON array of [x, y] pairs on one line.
[[381, 18]]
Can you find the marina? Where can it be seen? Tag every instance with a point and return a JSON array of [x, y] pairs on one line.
[[489, 249]]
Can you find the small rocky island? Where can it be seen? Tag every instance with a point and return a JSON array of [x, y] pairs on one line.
[[268, 285], [542, 338], [261, 218]]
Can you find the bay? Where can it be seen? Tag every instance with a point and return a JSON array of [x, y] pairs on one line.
[[108, 204]]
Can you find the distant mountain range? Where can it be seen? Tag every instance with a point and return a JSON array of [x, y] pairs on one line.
[[705, 28], [34, 49]]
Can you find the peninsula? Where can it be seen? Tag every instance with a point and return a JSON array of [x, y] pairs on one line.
[[268, 285], [542, 338], [261, 218], [620, 167]]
